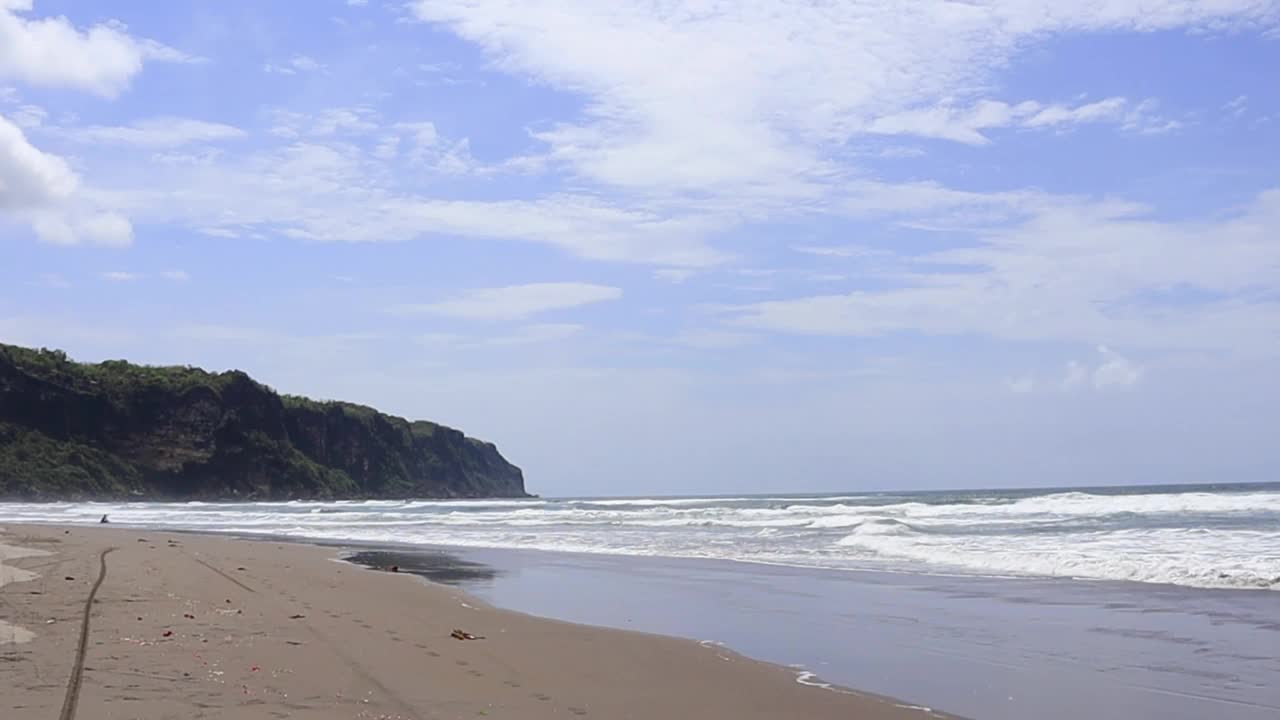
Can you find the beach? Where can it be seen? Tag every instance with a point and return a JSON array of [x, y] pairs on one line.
[[184, 626]]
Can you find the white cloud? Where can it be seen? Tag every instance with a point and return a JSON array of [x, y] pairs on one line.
[[106, 229], [1115, 371], [356, 120], [1112, 372], [1237, 107], [1075, 272], [158, 133], [53, 52], [175, 275], [109, 229], [842, 251], [305, 63], [516, 302], [29, 116], [357, 3], [294, 65], [329, 189], [966, 125], [790, 82], [30, 178], [901, 151], [121, 276]]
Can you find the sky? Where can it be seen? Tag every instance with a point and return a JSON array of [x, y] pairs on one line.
[[678, 246]]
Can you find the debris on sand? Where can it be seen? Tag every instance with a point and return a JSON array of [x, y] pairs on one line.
[[464, 635]]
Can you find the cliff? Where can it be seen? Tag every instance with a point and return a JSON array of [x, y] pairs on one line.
[[117, 430]]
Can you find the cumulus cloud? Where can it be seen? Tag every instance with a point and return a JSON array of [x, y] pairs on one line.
[[72, 227], [30, 178], [1110, 371], [53, 52], [516, 302], [1115, 371]]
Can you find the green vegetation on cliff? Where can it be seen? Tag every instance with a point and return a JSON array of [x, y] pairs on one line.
[[115, 430]]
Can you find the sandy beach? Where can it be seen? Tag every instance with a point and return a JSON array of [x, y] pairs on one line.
[[187, 626]]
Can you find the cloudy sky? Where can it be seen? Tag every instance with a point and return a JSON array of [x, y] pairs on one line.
[[678, 246]]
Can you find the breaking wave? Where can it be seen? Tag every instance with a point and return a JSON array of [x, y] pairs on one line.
[[1223, 537]]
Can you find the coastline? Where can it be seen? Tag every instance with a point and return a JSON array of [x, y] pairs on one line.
[[264, 628]]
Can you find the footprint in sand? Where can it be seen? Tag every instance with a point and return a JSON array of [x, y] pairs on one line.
[[543, 697], [577, 711]]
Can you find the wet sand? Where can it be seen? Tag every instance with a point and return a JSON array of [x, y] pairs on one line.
[[190, 626], [980, 647]]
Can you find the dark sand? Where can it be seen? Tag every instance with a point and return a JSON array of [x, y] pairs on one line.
[[188, 626]]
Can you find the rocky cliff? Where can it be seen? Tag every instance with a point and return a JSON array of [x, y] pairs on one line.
[[119, 430]]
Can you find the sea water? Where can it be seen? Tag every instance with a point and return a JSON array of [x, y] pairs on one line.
[[1109, 603], [1204, 536]]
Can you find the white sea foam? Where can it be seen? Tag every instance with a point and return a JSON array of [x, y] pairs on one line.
[[1199, 538]]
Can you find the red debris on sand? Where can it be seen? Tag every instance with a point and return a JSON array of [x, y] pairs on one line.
[[394, 568], [189, 616], [167, 633]]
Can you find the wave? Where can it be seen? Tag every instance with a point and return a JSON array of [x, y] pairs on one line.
[[1198, 538]]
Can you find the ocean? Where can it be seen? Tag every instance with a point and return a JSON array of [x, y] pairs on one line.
[[1109, 603], [1205, 536]]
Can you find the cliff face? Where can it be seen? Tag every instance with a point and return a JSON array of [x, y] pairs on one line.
[[114, 430]]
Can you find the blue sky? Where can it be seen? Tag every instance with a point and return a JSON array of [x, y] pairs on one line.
[[683, 246]]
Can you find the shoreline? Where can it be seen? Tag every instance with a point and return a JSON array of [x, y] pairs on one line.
[[548, 668]]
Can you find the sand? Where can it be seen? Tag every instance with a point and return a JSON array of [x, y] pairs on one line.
[[186, 626]]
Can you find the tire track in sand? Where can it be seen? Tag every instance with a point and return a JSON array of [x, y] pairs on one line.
[[72, 698]]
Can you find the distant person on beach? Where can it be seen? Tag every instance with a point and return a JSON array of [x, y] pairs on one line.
[[104, 520]]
